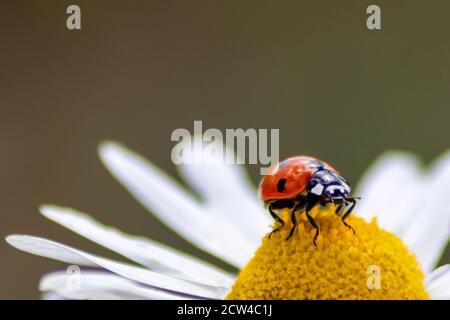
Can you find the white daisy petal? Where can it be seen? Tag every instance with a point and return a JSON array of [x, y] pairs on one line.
[[438, 283], [143, 251], [51, 249], [227, 190], [166, 199], [86, 295], [430, 229], [389, 191], [100, 285], [436, 273], [50, 295], [51, 252]]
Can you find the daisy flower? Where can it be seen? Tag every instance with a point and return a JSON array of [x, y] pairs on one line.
[[402, 227]]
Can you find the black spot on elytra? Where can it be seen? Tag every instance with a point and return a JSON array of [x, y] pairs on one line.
[[280, 185]]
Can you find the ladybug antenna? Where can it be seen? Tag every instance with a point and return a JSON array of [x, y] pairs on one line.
[[350, 198]]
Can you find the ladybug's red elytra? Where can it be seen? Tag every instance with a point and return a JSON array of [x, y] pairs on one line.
[[300, 183]]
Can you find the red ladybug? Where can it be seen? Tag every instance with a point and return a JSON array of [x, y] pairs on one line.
[[301, 183]]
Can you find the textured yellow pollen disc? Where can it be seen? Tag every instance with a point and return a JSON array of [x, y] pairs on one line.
[[371, 264]]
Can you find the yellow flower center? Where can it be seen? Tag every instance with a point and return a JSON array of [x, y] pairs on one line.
[[371, 264]]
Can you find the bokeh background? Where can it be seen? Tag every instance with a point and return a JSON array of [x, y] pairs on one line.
[[140, 69]]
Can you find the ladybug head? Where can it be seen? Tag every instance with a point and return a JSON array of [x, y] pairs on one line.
[[329, 185]]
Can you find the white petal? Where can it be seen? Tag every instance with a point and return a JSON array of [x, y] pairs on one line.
[[438, 283], [49, 295], [430, 229], [389, 191], [143, 251], [227, 191], [25, 243], [174, 206], [85, 295], [54, 250], [436, 274], [100, 285]]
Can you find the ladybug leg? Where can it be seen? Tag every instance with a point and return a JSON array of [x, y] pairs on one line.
[[313, 222], [277, 218], [298, 207], [347, 213], [315, 225], [339, 209]]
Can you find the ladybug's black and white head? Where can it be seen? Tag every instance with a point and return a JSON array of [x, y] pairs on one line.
[[329, 185]]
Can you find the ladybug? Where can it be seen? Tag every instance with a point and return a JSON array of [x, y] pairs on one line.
[[300, 183]]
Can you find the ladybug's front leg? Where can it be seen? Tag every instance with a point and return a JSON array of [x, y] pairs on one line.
[[277, 218], [347, 213], [312, 202], [298, 207]]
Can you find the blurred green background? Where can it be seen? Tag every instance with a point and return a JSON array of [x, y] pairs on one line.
[[140, 69]]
